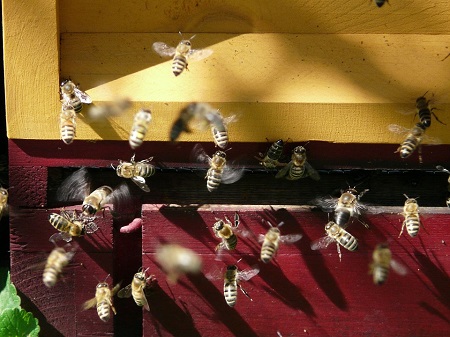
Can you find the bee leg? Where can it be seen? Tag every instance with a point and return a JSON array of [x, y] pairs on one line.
[[403, 227], [339, 252], [363, 223], [244, 292], [431, 110], [112, 306]]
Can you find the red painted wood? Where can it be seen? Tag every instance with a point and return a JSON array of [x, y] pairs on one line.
[[28, 186]]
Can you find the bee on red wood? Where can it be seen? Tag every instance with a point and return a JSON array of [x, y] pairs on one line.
[[70, 224], [103, 300], [382, 261], [412, 218], [231, 282], [271, 242]]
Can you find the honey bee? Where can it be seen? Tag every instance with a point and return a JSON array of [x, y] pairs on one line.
[[103, 300], [382, 261], [219, 129], [177, 260], [298, 167], [67, 123], [412, 217], [335, 233], [56, 261], [231, 282], [69, 224], [136, 171], [109, 109], [181, 54], [3, 201], [224, 231], [96, 201], [441, 168], [73, 96], [136, 288], [424, 111], [140, 127], [273, 154], [218, 172], [271, 241]]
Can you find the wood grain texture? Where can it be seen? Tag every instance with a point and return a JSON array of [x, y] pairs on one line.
[[230, 16]]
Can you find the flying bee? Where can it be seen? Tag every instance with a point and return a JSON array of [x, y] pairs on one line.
[[103, 300], [335, 233], [177, 260], [67, 123], [271, 242], [69, 224], [109, 109], [382, 261], [218, 172], [3, 201], [140, 127], [136, 171], [424, 111], [298, 167], [231, 282], [56, 261], [224, 231], [136, 288], [412, 217], [441, 168], [219, 129], [273, 154], [96, 201], [181, 54], [72, 95]]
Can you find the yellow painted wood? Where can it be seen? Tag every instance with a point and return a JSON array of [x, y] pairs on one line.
[[30, 46], [257, 16]]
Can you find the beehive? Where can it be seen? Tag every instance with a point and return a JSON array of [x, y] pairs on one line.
[[333, 73]]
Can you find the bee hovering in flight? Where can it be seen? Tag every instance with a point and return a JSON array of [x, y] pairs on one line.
[[425, 112], [96, 201], [136, 171], [335, 233], [71, 95], [177, 260], [56, 261], [67, 123], [224, 231], [382, 261], [344, 207], [298, 167], [69, 224], [412, 217], [231, 282], [137, 288], [181, 54], [109, 109], [103, 300], [271, 242], [273, 154], [218, 172], [139, 129], [219, 129], [3, 201], [441, 168]]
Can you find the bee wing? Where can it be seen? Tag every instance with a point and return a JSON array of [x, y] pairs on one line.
[[321, 243], [125, 292], [216, 120], [395, 128], [90, 303], [199, 154], [75, 187], [290, 238], [140, 182], [84, 98], [144, 300], [311, 172], [326, 204], [431, 140], [398, 267], [60, 236], [247, 274], [163, 49], [199, 54], [121, 198], [115, 289], [90, 227], [281, 173], [261, 238], [231, 175]]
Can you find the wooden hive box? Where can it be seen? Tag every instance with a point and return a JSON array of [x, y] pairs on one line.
[[332, 74]]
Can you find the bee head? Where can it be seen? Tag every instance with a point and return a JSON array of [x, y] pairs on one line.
[[88, 209], [102, 285], [220, 154], [232, 267], [218, 225], [299, 150]]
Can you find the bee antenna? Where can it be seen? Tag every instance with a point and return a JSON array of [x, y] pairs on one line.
[[106, 277], [192, 36]]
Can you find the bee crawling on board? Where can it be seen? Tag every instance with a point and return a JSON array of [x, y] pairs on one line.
[[69, 224], [382, 261], [335, 233], [424, 111], [67, 123], [271, 241], [412, 218], [137, 288], [298, 167], [224, 231], [136, 171], [181, 54], [219, 171], [271, 158], [103, 300], [71, 95]]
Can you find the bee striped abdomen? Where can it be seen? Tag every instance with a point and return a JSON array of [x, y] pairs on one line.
[[230, 293], [349, 242], [267, 251], [342, 216], [67, 133], [380, 274], [144, 170], [220, 138], [103, 311], [59, 222], [425, 117], [412, 224], [214, 177], [231, 242], [179, 64], [137, 135], [296, 172]]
